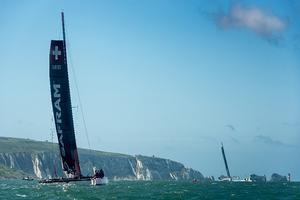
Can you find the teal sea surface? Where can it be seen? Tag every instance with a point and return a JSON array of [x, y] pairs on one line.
[[19, 189]]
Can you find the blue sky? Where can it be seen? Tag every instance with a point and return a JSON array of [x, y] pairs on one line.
[[165, 78]]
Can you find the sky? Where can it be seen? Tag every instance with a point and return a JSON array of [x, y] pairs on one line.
[[169, 78]]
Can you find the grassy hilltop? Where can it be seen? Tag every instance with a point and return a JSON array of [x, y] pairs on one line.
[[22, 157], [16, 145]]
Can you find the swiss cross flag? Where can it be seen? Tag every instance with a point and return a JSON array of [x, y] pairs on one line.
[[56, 52]]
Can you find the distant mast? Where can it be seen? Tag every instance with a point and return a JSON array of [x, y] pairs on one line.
[[61, 105], [225, 161]]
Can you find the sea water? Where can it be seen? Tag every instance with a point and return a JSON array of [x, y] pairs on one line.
[[20, 189]]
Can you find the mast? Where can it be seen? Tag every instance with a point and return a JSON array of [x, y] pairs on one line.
[[61, 105], [77, 171], [225, 161], [64, 37]]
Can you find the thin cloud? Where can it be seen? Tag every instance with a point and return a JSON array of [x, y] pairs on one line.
[[264, 24], [294, 16], [290, 124], [208, 138], [257, 129], [268, 140], [231, 127], [235, 140], [296, 40]]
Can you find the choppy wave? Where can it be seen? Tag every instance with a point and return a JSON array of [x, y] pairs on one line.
[[19, 189]]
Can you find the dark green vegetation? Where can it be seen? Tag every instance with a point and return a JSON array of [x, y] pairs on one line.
[[41, 160], [13, 145], [16, 145], [6, 172]]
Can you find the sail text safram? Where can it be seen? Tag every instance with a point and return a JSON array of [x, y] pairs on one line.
[[61, 104]]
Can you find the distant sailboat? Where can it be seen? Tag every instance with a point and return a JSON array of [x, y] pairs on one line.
[[62, 111], [228, 177]]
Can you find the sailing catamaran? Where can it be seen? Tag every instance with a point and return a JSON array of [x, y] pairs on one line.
[[62, 111], [229, 177]]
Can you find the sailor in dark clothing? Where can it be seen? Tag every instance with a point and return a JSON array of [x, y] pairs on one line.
[[99, 174]]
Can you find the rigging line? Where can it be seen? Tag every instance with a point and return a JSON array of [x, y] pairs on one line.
[[78, 96], [52, 149]]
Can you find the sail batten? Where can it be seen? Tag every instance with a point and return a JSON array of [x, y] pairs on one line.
[[62, 109]]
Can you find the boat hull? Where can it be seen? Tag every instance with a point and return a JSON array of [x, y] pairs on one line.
[[65, 180], [99, 181]]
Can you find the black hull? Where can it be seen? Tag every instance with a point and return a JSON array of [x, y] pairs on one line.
[[65, 180]]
